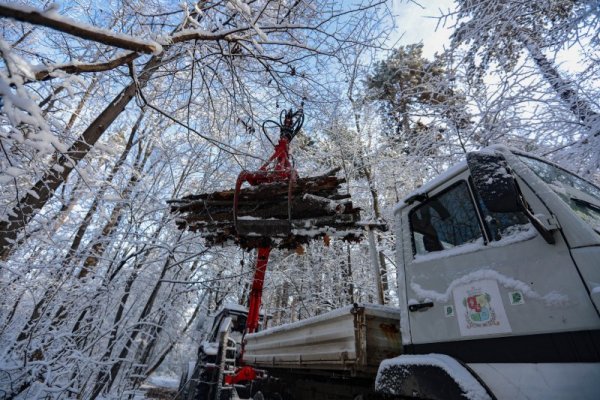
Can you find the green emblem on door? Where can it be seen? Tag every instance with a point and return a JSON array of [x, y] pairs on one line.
[[516, 298]]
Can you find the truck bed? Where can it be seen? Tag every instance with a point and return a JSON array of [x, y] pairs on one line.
[[353, 338]]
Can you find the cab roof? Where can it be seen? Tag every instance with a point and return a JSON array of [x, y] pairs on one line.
[[450, 173]]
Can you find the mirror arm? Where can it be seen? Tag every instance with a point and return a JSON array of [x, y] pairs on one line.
[[546, 233]]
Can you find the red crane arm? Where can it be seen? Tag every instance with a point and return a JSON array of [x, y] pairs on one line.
[[277, 168], [257, 288]]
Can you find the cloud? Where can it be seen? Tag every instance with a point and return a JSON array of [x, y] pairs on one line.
[[419, 23]]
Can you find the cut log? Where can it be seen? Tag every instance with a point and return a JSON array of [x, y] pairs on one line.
[[267, 215], [312, 201]]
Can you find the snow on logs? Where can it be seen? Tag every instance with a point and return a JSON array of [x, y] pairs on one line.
[[267, 216]]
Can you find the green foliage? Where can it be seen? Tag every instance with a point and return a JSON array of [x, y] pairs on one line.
[[417, 99]]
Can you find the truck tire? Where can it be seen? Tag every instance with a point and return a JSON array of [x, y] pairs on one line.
[[206, 382], [185, 382], [430, 376], [269, 396]]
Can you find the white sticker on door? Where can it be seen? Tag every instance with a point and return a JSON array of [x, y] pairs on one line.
[[479, 309]]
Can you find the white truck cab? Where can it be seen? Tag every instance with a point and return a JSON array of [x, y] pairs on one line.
[[499, 268]]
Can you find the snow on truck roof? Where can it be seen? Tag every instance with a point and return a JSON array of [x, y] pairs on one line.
[[446, 175], [432, 184]]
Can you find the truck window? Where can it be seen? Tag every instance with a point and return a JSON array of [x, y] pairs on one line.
[[500, 225], [445, 221], [582, 196]]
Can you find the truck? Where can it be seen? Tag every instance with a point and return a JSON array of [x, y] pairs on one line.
[[498, 282]]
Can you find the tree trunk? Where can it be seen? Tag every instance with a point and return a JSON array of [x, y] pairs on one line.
[[85, 223], [107, 378], [100, 244], [377, 214], [166, 351], [56, 174], [98, 247], [104, 375], [348, 277], [82, 102], [565, 90]]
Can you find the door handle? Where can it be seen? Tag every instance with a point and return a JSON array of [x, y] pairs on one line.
[[420, 306]]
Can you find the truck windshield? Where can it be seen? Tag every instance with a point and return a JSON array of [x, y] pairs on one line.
[[582, 196]]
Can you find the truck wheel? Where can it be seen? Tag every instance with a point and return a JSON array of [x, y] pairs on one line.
[[260, 396], [206, 386]]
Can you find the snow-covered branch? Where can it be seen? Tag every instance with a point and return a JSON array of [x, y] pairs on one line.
[[57, 22], [77, 68]]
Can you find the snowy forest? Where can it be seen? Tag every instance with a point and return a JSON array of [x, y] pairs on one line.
[[108, 110]]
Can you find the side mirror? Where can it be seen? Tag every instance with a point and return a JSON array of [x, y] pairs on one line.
[[494, 182]]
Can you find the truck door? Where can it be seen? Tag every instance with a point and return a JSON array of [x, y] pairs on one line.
[[486, 287]]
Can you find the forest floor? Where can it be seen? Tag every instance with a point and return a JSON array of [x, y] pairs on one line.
[[160, 393]]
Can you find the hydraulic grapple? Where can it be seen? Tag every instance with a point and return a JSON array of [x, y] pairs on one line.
[[276, 210]]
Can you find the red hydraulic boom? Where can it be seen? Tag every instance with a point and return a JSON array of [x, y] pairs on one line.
[[278, 168]]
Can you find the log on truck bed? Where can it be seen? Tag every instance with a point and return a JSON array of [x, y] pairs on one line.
[[353, 338]]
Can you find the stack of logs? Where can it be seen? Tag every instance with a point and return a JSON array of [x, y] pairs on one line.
[[274, 214]]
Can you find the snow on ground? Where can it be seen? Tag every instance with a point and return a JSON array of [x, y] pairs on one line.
[[158, 387], [169, 382]]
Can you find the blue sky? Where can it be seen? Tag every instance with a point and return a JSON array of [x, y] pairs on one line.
[[417, 23]]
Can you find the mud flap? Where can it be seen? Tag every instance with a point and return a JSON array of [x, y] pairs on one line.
[[430, 376]]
